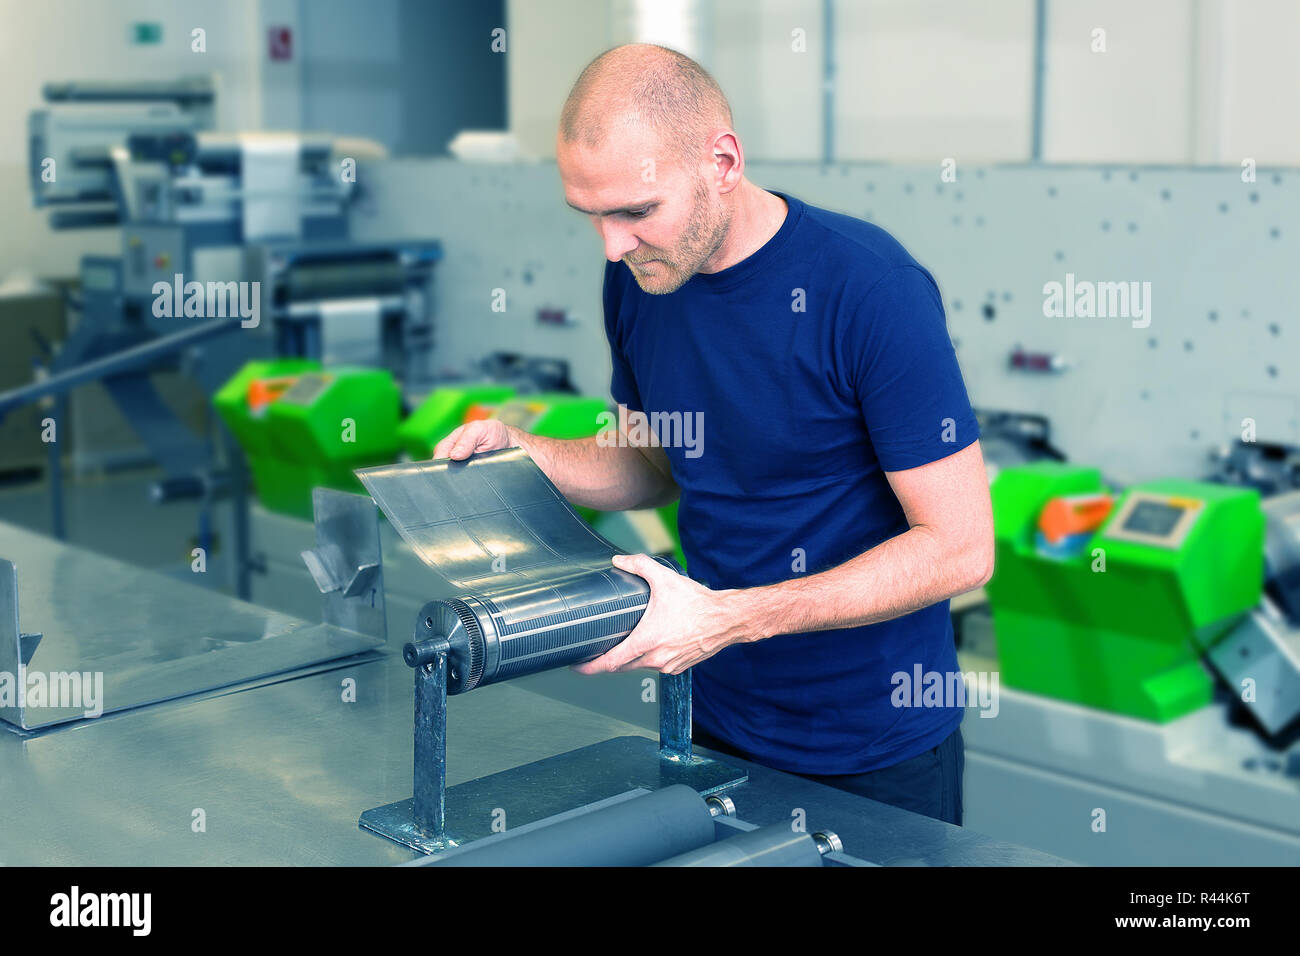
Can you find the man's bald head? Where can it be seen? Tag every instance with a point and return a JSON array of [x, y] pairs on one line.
[[652, 86]]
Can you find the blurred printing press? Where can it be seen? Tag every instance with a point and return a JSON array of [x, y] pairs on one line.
[[234, 246]]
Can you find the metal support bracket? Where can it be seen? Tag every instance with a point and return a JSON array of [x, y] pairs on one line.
[[420, 822], [16, 648], [346, 563]]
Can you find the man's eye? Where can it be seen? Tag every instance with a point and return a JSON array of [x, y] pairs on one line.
[[639, 213]]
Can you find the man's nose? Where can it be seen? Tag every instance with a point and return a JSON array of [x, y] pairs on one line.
[[618, 242]]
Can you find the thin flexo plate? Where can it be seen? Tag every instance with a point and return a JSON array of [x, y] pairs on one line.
[[492, 523]]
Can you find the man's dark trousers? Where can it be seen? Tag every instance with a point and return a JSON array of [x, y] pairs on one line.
[[929, 783]]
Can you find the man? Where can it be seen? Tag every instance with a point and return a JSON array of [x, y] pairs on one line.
[[838, 497]]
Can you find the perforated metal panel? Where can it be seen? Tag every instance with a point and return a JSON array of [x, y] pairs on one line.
[[1222, 258]]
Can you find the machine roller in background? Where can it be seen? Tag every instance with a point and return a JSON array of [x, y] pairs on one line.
[[637, 831], [674, 826], [775, 845]]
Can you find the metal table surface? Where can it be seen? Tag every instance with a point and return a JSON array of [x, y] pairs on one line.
[[146, 636], [282, 771], [276, 767]]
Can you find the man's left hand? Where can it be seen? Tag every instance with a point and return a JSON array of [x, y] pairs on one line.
[[683, 624]]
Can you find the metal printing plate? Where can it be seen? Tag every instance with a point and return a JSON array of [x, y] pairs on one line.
[[492, 522]]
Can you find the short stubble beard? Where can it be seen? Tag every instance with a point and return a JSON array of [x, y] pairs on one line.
[[705, 232]]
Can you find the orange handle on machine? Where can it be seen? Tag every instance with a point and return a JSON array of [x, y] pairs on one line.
[[1074, 514], [263, 391]]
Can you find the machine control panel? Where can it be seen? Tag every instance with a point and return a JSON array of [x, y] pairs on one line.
[[152, 254], [307, 389], [1159, 520]]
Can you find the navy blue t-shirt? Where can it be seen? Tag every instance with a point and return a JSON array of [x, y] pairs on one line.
[[818, 363]]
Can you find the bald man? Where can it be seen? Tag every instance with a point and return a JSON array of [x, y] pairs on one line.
[[837, 498]]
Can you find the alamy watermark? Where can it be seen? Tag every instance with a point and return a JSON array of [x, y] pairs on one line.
[[77, 690], [655, 429], [1098, 300], [946, 689], [75, 908], [212, 300]]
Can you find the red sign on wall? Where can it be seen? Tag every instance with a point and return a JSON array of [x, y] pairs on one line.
[[280, 43]]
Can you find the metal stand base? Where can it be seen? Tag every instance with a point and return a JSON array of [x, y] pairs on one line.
[[541, 789], [551, 786]]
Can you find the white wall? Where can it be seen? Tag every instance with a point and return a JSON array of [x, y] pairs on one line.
[[768, 57], [1259, 116], [277, 83], [926, 79], [745, 43], [547, 46], [1180, 81], [1134, 101]]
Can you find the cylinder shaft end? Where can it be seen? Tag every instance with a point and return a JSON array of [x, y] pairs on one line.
[[827, 842], [420, 653], [720, 805]]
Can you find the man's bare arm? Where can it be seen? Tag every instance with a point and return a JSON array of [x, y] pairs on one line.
[[603, 474], [607, 478], [946, 551]]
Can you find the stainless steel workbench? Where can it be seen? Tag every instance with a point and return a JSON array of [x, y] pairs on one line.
[[282, 771], [278, 771]]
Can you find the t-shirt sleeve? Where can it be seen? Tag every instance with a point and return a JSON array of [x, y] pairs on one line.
[[622, 385], [905, 373]]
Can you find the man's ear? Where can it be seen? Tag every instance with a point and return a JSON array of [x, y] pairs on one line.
[[728, 161]]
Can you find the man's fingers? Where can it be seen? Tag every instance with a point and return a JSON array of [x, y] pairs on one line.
[[639, 564], [469, 439], [444, 448], [599, 666], [617, 657], [466, 443]]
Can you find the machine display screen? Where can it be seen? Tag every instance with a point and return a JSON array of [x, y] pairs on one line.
[[1154, 518], [306, 390]]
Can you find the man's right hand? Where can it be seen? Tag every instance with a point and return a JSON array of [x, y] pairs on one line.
[[483, 435]]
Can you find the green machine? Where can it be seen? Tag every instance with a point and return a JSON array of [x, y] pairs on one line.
[[555, 415], [1119, 617], [443, 411], [303, 427], [550, 414]]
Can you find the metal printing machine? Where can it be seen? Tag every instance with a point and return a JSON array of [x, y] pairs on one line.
[[234, 246]]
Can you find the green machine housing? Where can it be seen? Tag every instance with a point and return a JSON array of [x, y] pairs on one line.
[[325, 424], [1122, 624], [441, 412]]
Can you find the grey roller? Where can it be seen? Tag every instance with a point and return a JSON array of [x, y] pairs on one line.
[[327, 279], [636, 832], [776, 845], [533, 586]]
